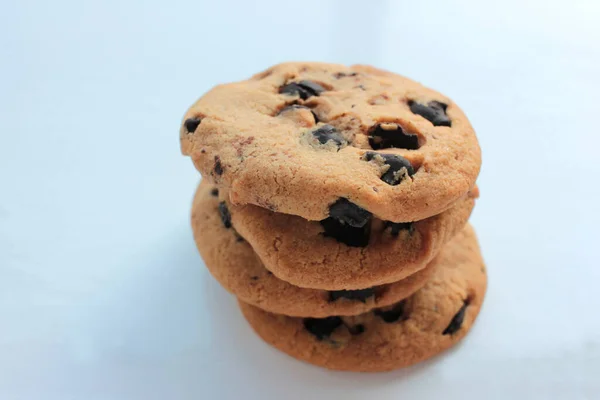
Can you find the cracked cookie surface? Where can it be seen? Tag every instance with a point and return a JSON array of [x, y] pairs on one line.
[[433, 319], [298, 137], [235, 265], [351, 250]]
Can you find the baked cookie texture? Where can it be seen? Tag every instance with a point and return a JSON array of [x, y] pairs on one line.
[[334, 205], [431, 320], [330, 256], [233, 263], [300, 137]]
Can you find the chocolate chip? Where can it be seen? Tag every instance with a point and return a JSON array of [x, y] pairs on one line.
[[225, 215], [254, 278], [349, 213], [293, 107], [434, 112], [343, 233], [328, 133], [396, 227], [322, 327], [304, 89], [339, 75], [218, 166], [356, 329], [393, 314], [457, 320], [214, 192], [386, 135], [393, 175], [191, 124], [312, 86], [360, 294]]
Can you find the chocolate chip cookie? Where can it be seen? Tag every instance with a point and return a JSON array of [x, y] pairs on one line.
[[349, 250], [231, 260], [421, 326], [318, 140]]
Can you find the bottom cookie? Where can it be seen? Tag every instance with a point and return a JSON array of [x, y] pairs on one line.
[[430, 321]]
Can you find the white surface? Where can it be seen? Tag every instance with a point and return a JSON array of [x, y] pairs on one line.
[[102, 292]]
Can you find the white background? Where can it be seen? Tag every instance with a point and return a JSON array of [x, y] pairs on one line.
[[102, 292]]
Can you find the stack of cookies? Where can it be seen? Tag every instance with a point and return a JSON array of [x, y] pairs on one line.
[[334, 205]]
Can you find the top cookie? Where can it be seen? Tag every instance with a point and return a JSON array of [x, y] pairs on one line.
[[299, 138]]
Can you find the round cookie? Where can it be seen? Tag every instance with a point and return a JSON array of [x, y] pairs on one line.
[[419, 327], [299, 137], [332, 255], [234, 264]]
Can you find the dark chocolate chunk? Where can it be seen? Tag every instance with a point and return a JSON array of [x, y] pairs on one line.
[[457, 320], [339, 75], [344, 233], [214, 192], [218, 166], [434, 112], [392, 136], [392, 315], [304, 89], [396, 227], [294, 89], [396, 163], [191, 124], [360, 294], [298, 107], [322, 327], [312, 86], [349, 213], [225, 215], [326, 133]]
